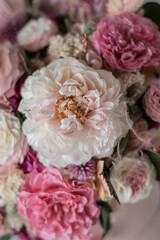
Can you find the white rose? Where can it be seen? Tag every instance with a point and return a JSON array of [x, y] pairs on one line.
[[132, 179], [13, 145], [73, 112], [36, 33], [10, 181]]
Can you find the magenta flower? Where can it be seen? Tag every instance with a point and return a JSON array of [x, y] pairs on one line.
[[82, 171], [23, 235], [31, 162], [128, 42], [15, 99]]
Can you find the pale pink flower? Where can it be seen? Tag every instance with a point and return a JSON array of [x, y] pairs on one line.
[[151, 101], [128, 42], [55, 208], [10, 9], [13, 145], [132, 179], [115, 7], [12, 18], [36, 33], [10, 70], [73, 113]]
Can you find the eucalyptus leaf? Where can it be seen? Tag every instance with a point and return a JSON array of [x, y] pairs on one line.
[[6, 237], [152, 11], [122, 146], [104, 216], [155, 159]]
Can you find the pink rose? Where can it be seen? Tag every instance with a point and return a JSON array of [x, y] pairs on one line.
[[151, 101], [13, 145], [36, 33], [128, 42], [10, 70], [55, 208]]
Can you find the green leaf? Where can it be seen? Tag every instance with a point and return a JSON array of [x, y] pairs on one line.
[[104, 216], [152, 11], [134, 89], [6, 237], [106, 175], [122, 146], [155, 159]]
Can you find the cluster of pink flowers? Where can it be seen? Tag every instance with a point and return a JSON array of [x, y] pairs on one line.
[[75, 87]]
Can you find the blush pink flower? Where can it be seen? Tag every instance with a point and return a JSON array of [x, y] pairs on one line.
[[55, 208], [73, 113], [132, 179], [115, 7], [10, 70], [13, 145], [128, 42], [36, 33], [151, 101]]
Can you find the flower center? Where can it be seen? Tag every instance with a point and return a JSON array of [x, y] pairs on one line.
[[72, 106]]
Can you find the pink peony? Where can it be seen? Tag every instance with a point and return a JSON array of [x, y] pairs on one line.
[[36, 33], [128, 42], [10, 70], [13, 145], [55, 208], [151, 101]]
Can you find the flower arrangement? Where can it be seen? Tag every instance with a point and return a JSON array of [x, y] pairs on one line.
[[79, 115]]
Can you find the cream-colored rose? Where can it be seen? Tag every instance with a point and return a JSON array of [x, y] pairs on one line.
[[115, 7], [10, 181], [36, 33], [132, 179], [73, 113], [13, 145]]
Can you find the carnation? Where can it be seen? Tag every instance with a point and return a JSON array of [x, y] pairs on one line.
[[10, 181], [36, 33], [67, 46], [128, 42], [73, 113], [13, 145], [151, 101], [10, 70], [132, 179], [55, 208]]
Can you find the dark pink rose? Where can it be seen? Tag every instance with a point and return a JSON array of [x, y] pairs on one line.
[[55, 208], [30, 163], [128, 42], [151, 101]]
